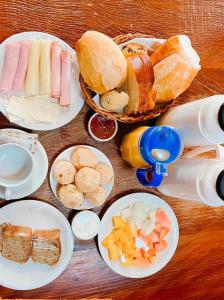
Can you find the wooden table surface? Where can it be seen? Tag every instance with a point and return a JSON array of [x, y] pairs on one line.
[[197, 269]]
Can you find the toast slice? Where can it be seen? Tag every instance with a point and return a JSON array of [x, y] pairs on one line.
[[2, 228], [139, 82], [17, 242], [46, 247]]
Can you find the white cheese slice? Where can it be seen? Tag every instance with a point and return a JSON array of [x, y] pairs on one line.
[[33, 109], [32, 76], [45, 67]]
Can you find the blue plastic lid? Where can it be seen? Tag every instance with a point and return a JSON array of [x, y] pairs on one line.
[[160, 138], [148, 177]]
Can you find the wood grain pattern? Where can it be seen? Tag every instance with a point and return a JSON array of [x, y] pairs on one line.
[[197, 269]]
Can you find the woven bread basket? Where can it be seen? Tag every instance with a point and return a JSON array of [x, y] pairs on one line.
[[158, 110]]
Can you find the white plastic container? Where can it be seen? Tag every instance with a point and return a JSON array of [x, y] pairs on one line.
[[197, 179], [199, 123]]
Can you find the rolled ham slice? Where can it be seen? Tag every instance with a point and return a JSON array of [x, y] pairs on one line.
[[9, 67], [33, 70], [55, 70], [22, 66], [45, 67], [65, 98]]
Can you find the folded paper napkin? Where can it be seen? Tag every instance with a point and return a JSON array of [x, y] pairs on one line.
[[27, 140]]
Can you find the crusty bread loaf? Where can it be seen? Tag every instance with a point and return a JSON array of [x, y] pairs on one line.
[[46, 247], [101, 62], [177, 43], [139, 82], [173, 75], [17, 242], [175, 65]]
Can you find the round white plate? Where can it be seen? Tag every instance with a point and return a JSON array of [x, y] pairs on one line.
[[66, 155], [38, 176], [67, 114], [148, 42], [37, 215], [162, 258]]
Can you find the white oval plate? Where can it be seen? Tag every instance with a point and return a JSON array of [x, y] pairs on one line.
[[66, 155], [148, 42], [38, 176], [37, 215], [162, 258], [67, 114]]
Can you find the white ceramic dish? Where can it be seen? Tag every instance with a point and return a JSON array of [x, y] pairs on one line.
[[38, 175], [67, 114], [148, 42], [162, 258], [95, 137], [37, 215], [66, 155]]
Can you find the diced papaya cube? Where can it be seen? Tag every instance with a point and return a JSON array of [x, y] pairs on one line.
[[141, 262], [150, 253], [160, 246], [108, 241], [139, 253], [152, 259], [113, 252], [163, 233], [117, 233], [147, 239], [118, 222], [154, 236], [161, 218]]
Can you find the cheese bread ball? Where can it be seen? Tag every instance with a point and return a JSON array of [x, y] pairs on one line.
[[96, 198], [83, 157], [87, 180], [106, 173], [70, 196], [64, 172]]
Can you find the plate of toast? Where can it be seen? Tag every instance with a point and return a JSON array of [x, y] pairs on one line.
[[36, 244]]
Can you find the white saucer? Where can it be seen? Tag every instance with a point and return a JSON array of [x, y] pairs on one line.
[[38, 176], [66, 155], [67, 114], [163, 257]]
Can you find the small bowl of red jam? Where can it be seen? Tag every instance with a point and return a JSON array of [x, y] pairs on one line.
[[101, 128]]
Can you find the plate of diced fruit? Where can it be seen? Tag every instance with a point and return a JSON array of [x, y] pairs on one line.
[[138, 235]]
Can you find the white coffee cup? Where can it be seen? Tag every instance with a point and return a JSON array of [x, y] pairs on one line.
[[16, 166]]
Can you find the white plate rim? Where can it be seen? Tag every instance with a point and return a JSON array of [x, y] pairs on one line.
[[70, 149], [71, 238], [44, 168], [119, 205], [38, 126]]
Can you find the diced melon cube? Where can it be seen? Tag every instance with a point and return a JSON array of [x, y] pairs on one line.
[[117, 233], [113, 252], [129, 231], [129, 248], [124, 237], [152, 215], [147, 227], [126, 213], [108, 241], [118, 222], [128, 262]]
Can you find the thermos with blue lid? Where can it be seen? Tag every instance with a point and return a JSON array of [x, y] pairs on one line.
[[151, 150]]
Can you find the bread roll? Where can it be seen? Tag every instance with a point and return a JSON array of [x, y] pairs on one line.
[[101, 62], [83, 157], [64, 172], [134, 48], [97, 198], [70, 196], [114, 100], [106, 173], [87, 180]]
